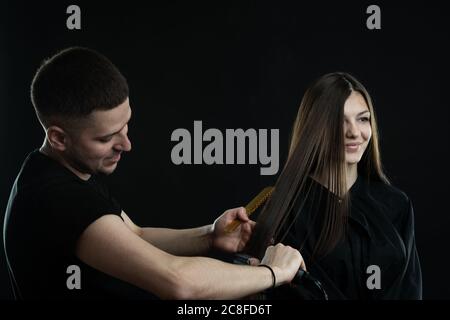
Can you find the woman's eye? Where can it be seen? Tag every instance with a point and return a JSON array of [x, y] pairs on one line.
[[364, 119]]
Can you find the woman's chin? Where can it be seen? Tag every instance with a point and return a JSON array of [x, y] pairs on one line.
[[352, 160]]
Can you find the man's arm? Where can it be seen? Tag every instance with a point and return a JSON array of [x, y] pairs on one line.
[[198, 241], [184, 242], [110, 246]]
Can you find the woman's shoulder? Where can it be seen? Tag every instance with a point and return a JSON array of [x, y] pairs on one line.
[[387, 191], [394, 200]]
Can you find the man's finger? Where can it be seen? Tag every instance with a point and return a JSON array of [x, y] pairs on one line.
[[303, 265], [247, 228], [253, 261], [242, 214]]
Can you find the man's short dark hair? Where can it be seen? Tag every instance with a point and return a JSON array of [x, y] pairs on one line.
[[75, 82]]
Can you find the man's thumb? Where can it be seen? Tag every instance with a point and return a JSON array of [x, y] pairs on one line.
[[253, 261]]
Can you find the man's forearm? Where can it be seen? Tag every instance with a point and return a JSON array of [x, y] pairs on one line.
[[184, 242], [205, 278]]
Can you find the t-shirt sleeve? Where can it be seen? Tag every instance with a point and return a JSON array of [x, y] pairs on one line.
[[72, 208]]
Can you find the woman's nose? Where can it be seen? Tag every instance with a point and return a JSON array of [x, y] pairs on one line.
[[352, 129]]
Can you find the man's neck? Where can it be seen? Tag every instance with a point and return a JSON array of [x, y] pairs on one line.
[[49, 152]]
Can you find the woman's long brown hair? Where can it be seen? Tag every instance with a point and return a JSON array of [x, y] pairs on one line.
[[317, 150]]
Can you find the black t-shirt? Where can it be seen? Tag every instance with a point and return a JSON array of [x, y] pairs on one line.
[[48, 209], [380, 233]]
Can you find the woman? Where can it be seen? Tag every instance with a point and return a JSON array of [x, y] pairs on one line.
[[334, 203]]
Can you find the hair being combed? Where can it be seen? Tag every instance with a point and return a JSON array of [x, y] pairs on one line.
[[317, 149]]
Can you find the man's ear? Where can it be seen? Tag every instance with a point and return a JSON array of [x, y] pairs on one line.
[[57, 138]]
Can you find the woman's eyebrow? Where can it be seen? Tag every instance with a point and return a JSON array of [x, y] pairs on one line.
[[362, 112]]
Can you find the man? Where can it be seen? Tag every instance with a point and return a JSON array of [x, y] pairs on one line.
[[61, 218]]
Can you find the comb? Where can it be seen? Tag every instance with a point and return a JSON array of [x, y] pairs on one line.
[[251, 207]]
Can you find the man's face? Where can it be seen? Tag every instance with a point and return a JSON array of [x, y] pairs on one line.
[[96, 146]]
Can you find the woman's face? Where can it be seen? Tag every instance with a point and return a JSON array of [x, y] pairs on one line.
[[357, 129]]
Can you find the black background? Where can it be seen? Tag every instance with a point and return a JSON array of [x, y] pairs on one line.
[[242, 65]]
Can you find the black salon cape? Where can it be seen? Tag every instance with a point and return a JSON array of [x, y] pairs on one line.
[[380, 232]]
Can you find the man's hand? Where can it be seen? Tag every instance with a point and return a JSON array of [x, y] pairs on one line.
[[284, 261], [233, 241]]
